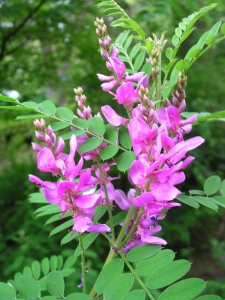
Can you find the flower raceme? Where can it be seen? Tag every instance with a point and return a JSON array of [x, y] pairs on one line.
[[157, 136]]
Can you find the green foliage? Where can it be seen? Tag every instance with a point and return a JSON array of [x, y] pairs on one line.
[[212, 186]]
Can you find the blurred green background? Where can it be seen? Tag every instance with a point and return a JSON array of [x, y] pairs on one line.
[[49, 47]]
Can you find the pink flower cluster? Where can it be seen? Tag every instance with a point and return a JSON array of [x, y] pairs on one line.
[[69, 194], [157, 140]]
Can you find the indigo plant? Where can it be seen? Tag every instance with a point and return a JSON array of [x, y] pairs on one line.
[[148, 143]]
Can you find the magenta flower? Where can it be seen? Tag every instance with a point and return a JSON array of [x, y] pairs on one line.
[[112, 117]]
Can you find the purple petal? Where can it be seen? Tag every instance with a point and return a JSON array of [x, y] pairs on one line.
[[98, 228], [108, 86], [102, 77], [135, 77], [81, 223], [122, 200], [112, 117], [87, 201], [164, 191], [143, 199]]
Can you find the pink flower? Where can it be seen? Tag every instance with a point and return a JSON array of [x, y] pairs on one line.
[[112, 117]]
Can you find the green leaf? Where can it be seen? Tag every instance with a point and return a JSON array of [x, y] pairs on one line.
[[125, 160], [61, 227], [212, 185], [186, 289], [135, 295], [128, 42], [67, 272], [139, 61], [111, 133], [37, 198], [167, 89], [36, 269], [64, 113], [135, 50], [30, 104], [219, 200], [141, 252], [149, 265], [108, 152], [168, 273], [97, 125], [188, 200], [213, 32], [147, 68], [208, 297], [58, 125], [134, 25], [174, 76], [53, 262], [56, 218], [90, 144], [182, 64], [60, 262], [27, 271], [175, 40], [7, 99], [7, 292], [47, 107], [49, 298], [169, 52], [67, 135], [28, 287], [55, 284], [68, 238], [80, 123], [78, 296], [206, 202], [124, 137], [196, 192], [123, 284], [45, 266], [178, 32], [222, 29], [124, 37], [150, 45], [87, 241], [222, 188], [110, 272], [182, 26], [70, 261]]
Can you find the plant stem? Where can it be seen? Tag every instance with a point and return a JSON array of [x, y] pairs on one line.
[[158, 83], [136, 276], [82, 263], [132, 229]]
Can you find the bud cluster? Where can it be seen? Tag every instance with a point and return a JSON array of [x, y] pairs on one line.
[[83, 111]]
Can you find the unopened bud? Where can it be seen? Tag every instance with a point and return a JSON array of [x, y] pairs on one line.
[[78, 91]]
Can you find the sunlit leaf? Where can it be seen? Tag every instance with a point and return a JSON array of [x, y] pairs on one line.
[[139, 61], [219, 200], [135, 50], [7, 99], [64, 113], [61, 227], [47, 107], [7, 292], [124, 137], [58, 125]]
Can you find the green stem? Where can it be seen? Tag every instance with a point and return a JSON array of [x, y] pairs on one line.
[[136, 276], [108, 204], [125, 225], [132, 229], [203, 52], [82, 263], [158, 83]]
